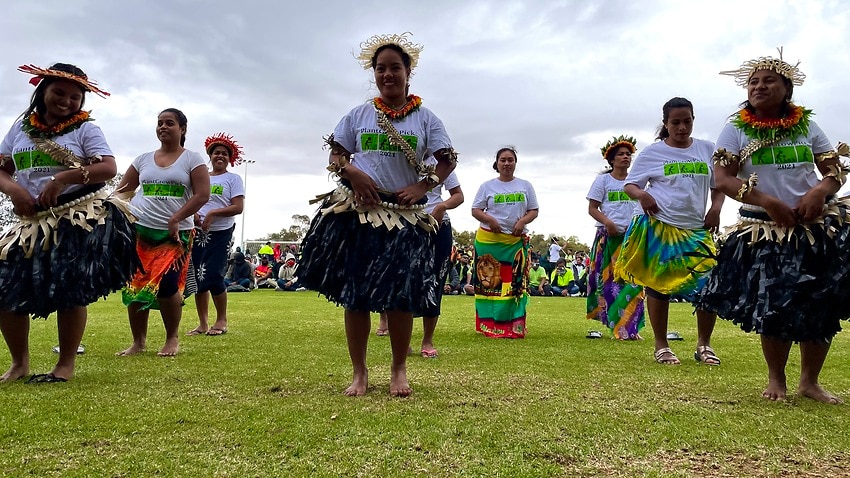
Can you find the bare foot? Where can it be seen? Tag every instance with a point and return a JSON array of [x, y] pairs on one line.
[[63, 371], [357, 387], [15, 372], [816, 392], [133, 350], [197, 331], [775, 390], [399, 386], [170, 349]]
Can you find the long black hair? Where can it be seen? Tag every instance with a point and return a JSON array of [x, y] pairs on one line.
[[676, 102]]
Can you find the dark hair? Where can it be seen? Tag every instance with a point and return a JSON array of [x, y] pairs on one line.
[[676, 102], [215, 145], [610, 158], [37, 100], [499, 153], [789, 86], [181, 120], [405, 58]]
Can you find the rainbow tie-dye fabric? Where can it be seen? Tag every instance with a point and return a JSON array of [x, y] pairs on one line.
[[665, 258], [619, 305]]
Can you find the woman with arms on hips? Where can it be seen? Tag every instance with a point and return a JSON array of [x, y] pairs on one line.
[[173, 185], [617, 304], [370, 247], [784, 269], [505, 206], [72, 243], [214, 225], [669, 248]]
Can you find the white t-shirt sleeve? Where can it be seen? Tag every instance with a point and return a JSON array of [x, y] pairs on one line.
[[7, 145], [480, 201], [597, 189], [237, 188], [820, 143], [451, 181], [93, 141], [531, 198], [345, 132], [729, 139], [438, 138], [641, 171]]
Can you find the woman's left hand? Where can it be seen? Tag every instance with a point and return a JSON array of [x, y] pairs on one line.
[[712, 220], [811, 205], [208, 220], [438, 212], [410, 194], [49, 195], [174, 230], [518, 228]]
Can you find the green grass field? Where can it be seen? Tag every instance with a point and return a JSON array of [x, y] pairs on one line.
[[266, 400]]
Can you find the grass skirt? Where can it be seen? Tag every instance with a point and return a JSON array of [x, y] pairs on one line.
[[618, 305], [665, 258], [160, 255], [367, 268], [794, 287], [501, 282], [79, 268]]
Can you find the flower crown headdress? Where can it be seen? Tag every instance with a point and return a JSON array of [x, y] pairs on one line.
[[226, 140], [370, 46], [745, 71], [618, 141], [41, 73]]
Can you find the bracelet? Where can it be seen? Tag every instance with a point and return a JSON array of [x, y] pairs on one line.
[[747, 186], [432, 180], [724, 158], [838, 172], [85, 174]]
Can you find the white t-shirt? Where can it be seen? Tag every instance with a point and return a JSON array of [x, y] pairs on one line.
[[223, 188], [435, 194], [785, 170], [507, 202], [163, 191], [33, 168], [358, 132], [554, 252], [680, 180], [615, 204]]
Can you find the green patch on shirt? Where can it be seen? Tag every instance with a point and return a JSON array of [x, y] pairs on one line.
[[217, 189], [509, 198], [164, 190], [617, 196], [672, 169], [380, 142], [800, 153], [33, 159]]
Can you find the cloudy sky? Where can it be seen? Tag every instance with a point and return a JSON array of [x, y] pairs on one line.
[[554, 78]]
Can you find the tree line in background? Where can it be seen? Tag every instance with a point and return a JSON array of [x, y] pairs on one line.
[[539, 242]]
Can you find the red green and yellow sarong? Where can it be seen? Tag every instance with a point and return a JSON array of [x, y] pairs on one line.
[[501, 283], [665, 258], [159, 255]]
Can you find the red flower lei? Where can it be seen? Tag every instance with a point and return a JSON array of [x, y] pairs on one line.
[[782, 123], [413, 104], [33, 126]]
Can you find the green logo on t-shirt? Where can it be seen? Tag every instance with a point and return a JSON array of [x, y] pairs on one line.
[[509, 198], [217, 189], [672, 169], [380, 142], [163, 190], [800, 153], [617, 196], [33, 159]]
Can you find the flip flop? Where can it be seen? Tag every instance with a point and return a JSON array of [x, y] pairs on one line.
[[81, 349], [674, 336], [45, 378], [593, 334], [429, 353], [194, 332], [382, 332], [215, 332]]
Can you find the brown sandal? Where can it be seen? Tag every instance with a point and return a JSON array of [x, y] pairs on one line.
[[706, 355], [666, 356]]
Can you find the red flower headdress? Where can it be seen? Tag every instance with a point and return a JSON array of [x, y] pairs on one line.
[[41, 73], [226, 140]]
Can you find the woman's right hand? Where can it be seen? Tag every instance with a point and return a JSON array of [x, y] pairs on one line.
[[22, 203], [493, 224], [648, 204], [782, 215], [365, 189], [612, 229]]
